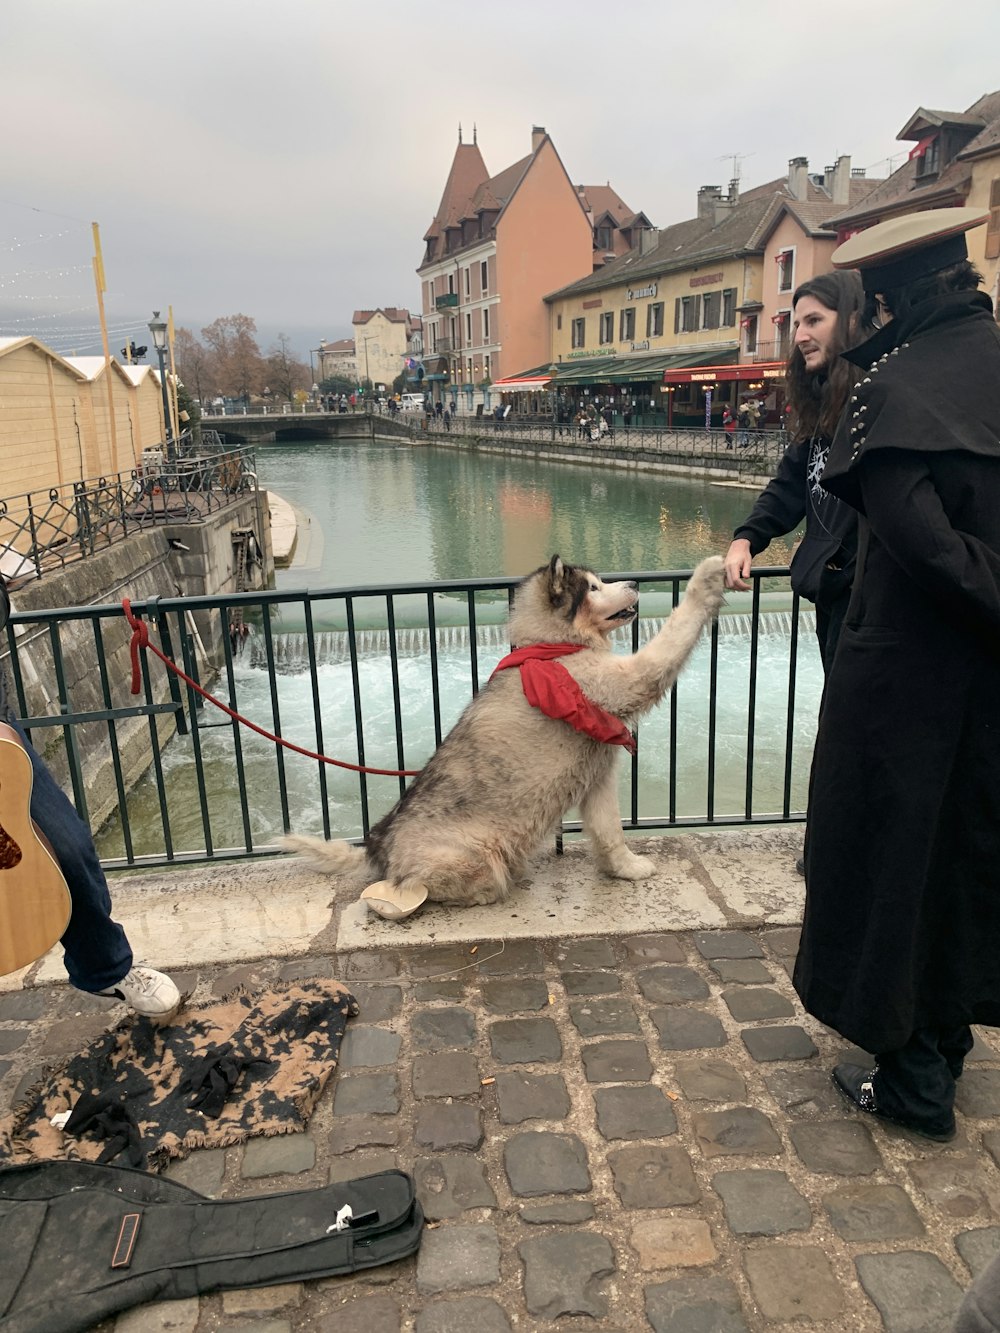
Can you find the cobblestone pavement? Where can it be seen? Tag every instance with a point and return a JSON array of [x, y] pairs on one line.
[[607, 1134]]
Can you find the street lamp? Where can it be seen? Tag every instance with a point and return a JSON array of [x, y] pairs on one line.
[[158, 330]]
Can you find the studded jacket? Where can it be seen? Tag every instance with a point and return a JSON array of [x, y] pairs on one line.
[[917, 393], [823, 564]]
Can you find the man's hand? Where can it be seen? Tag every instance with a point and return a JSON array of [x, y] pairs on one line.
[[737, 565]]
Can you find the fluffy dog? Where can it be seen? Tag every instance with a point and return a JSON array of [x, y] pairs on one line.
[[507, 772]]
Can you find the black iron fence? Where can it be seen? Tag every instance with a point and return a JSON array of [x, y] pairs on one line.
[[41, 531], [374, 677]]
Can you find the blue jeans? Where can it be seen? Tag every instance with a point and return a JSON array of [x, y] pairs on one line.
[[97, 950]]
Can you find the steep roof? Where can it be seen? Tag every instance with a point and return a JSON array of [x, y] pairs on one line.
[[601, 199], [341, 345], [904, 190], [12, 343], [468, 172], [394, 314]]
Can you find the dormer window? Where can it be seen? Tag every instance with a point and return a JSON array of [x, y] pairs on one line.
[[928, 155], [603, 238]]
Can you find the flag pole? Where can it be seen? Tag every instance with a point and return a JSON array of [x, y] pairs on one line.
[[174, 414], [98, 265]]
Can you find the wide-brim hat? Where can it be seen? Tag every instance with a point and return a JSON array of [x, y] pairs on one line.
[[903, 249]]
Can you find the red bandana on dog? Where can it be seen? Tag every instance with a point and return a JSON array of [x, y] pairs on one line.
[[549, 687]]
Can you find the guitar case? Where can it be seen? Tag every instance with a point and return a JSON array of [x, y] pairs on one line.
[[81, 1242]]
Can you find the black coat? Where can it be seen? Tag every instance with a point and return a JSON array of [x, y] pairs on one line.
[[823, 565], [902, 919]]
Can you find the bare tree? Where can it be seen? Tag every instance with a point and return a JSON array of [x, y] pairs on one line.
[[194, 366], [286, 374], [237, 361]]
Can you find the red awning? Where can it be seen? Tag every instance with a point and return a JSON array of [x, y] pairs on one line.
[[521, 382], [763, 370]]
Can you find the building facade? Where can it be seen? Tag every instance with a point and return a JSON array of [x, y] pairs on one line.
[[954, 163], [697, 315], [337, 360], [496, 246]]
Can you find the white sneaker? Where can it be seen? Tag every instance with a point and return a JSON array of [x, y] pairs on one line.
[[147, 992]]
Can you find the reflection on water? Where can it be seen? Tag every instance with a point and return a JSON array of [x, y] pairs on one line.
[[393, 512]]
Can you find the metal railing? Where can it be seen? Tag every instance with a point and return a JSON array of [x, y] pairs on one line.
[[755, 451], [41, 531], [375, 677]]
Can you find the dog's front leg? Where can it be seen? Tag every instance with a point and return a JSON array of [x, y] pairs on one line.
[[667, 652], [603, 825]]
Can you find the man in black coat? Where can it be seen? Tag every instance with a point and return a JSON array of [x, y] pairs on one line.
[[900, 947]]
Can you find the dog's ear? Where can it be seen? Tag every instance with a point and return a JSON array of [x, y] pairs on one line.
[[557, 578]]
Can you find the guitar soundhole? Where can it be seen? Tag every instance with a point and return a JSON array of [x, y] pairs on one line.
[[10, 853]]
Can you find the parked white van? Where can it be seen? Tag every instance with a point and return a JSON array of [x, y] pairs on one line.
[[412, 402]]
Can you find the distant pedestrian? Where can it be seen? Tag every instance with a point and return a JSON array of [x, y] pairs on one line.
[[729, 425], [446, 416]]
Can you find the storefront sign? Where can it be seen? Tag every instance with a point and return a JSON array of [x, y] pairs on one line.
[[593, 305], [639, 347], [697, 378], [637, 293], [706, 280], [583, 351]]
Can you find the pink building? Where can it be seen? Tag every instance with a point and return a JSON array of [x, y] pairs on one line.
[[496, 246]]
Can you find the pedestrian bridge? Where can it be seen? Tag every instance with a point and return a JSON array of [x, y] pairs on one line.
[[265, 426]]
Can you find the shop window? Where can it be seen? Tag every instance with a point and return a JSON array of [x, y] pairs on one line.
[[627, 325], [579, 337], [729, 308], [711, 310], [993, 225], [654, 320], [607, 327]]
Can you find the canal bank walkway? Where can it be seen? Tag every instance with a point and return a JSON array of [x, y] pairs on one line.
[[616, 1113]]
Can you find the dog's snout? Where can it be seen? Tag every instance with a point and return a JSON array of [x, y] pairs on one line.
[[632, 585]]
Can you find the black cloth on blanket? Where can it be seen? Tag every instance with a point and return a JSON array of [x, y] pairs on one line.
[[216, 1074]]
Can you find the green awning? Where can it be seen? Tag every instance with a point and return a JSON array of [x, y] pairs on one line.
[[638, 369], [649, 369]]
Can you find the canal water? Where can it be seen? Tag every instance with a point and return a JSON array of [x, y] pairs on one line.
[[382, 513], [395, 513]]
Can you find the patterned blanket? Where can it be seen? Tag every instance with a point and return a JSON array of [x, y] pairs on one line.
[[220, 1072]]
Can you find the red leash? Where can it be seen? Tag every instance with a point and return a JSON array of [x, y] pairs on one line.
[[140, 639]]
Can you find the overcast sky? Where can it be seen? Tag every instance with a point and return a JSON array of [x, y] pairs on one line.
[[283, 160]]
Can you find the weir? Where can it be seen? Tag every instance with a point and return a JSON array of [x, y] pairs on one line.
[[291, 651]]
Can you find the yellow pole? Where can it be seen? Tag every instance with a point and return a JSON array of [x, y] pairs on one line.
[[174, 415], [98, 263]]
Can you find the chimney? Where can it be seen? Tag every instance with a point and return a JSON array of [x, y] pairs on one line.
[[798, 178], [708, 197], [537, 135], [649, 239], [734, 190], [838, 180]]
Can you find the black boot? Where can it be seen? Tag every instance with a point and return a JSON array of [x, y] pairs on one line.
[[858, 1085]]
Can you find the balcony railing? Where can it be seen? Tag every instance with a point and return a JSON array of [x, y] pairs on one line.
[[329, 671]]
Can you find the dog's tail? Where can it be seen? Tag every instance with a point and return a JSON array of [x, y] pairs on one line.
[[336, 858]]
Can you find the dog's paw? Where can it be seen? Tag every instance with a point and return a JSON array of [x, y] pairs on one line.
[[707, 584], [624, 864]]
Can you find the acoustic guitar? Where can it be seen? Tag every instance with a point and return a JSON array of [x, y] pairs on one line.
[[35, 904]]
